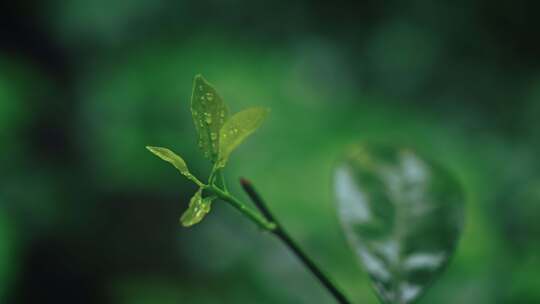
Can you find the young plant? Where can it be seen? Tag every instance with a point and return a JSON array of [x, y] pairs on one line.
[[402, 214], [218, 135]]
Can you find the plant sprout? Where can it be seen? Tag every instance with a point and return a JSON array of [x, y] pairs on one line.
[[401, 213], [218, 136]]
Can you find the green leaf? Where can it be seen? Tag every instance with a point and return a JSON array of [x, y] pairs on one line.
[[171, 157], [402, 215], [197, 210], [237, 129], [209, 114]]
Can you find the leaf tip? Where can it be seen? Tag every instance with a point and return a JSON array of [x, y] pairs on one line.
[[265, 110], [151, 149], [185, 224], [199, 78]]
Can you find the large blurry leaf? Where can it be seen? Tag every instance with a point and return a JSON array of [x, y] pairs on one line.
[[209, 114], [237, 129], [402, 215], [197, 210]]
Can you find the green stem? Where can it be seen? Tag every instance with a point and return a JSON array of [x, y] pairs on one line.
[[284, 236], [195, 180], [266, 221], [253, 215], [221, 176], [213, 173]]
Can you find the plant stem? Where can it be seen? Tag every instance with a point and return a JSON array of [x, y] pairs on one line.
[[221, 176], [267, 222], [280, 232], [253, 215]]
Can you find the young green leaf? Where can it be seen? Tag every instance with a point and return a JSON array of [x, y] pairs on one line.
[[171, 157], [237, 129], [209, 114], [402, 215], [197, 210]]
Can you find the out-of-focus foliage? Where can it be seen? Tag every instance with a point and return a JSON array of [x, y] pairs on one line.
[[402, 215], [84, 86]]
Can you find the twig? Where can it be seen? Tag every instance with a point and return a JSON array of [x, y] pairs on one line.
[[280, 232]]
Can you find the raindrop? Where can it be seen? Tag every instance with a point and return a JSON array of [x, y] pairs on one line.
[[210, 96]]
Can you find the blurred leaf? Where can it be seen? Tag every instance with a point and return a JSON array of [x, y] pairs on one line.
[[402, 215], [237, 129], [171, 157], [197, 210], [209, 113]]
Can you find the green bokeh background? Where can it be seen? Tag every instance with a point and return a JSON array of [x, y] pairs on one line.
[[87, 215]]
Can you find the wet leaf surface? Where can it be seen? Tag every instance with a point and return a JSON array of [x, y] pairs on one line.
[[209, 114], [198, 208]]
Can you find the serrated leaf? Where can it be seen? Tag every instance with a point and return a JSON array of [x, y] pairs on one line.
[[198, 208], [209, 114], [237, 129], [402, 215]]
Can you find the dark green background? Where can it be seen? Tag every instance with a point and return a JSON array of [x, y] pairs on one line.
[[87, 215]]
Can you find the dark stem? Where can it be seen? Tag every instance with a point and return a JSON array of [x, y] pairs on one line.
[[291, 244]]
